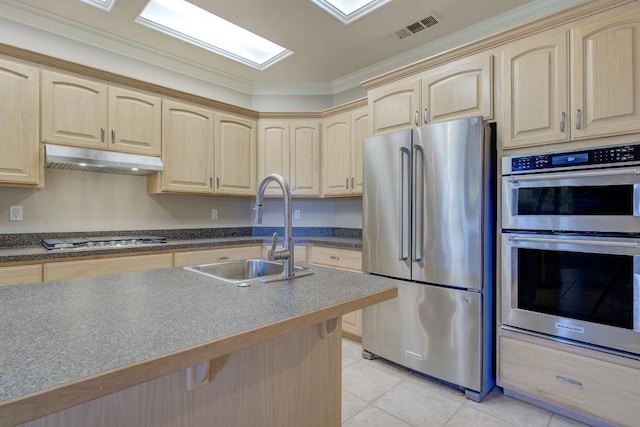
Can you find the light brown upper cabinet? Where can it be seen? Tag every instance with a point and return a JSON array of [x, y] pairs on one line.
[[235, 155], [605, 68], [461, 88], [187, 150], [554, 94], [535, 93], [19, 124], [290, 148], [87, 113], [342, 139]]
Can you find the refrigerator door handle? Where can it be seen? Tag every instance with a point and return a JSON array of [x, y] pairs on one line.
[[404, 246], [418, 204]]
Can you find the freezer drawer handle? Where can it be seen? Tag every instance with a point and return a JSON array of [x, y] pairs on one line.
[[404, 248]]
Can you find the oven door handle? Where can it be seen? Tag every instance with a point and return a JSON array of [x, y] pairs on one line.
[[603, 242], [571, 175]]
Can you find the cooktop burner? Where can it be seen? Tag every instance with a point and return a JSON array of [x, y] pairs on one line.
[[100, 242]]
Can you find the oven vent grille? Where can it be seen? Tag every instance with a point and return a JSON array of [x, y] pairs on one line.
[[418, 26]]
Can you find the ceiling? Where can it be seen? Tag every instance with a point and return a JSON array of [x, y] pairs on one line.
[[325, 49]]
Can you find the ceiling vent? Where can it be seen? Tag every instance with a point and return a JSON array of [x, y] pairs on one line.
[[418, 26]]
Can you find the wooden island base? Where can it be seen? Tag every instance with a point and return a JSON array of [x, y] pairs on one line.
[[290, 380]]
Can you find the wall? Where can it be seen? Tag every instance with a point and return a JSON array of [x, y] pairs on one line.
[[89, 201]]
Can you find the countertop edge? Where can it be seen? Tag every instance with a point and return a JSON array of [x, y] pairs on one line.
[[74, 393]]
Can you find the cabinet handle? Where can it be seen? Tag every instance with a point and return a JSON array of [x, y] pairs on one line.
[[578, 119], [211, 181], [293, 185], [222, 258], [563, 117], [568, 380], [416, 119], [334, 257], [101, 134], [346, 183], [217, 182], [425, 116], [352, 182]]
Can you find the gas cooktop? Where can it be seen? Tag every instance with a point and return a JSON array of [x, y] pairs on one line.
[[100, 242]]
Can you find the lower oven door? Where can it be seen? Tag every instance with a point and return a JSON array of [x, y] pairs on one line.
[[582, 288]]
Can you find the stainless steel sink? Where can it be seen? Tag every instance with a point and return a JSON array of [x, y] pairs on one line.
[[241, 271]]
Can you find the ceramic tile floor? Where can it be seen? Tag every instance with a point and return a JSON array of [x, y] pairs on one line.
[[377, 393]]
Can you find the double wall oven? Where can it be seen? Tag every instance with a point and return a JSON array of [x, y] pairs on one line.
[[571, 246]]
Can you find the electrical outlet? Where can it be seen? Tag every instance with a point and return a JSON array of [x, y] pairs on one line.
[[214, 214], [15, 213], [296, 214]]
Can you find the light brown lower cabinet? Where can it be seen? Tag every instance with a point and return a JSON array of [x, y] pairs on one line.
[[347, 259], [14, 275], [600, 388], [288, 381], [94, 267], [209, 256]]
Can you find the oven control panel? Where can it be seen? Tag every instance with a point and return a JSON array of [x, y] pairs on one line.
[[597, 156]]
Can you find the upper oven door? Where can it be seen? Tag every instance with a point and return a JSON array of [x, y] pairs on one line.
[[602, 200]]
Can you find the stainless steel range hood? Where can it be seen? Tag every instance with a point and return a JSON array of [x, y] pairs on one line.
[[86, 159]]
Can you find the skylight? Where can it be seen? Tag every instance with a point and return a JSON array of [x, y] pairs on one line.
[[102, 4], [189, 23], [348, 11]]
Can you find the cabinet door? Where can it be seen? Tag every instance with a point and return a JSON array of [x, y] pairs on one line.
[[19, 124], [535, 91], [305, 158], [605, 91], [187, 149], [273, 153], [235, 155], [336, 152], [359, 131], [134, 122], [462, 88], [74, 111], [394, 106]]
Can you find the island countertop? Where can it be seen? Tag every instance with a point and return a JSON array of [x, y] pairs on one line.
[[66, 342]]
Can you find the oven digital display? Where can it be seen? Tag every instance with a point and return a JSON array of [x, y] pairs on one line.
[[570, 159]]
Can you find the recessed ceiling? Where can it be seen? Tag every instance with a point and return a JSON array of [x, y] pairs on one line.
[[325, 49]]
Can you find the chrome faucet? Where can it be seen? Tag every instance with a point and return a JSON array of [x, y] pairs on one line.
[[286, 253]]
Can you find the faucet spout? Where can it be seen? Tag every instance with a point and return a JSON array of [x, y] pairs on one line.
[[286, 254]]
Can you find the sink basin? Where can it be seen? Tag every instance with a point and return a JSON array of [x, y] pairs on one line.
[[246, 269]]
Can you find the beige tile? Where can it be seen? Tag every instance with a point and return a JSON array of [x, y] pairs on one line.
[[352, 349], [467, 416], [346, 361], [351, 405], [445, 390], [390, 367], [558, 420], [417, 405], [374, 417], [511, 410], [367, 382]]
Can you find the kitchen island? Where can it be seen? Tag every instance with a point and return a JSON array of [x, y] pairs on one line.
[[174, 347]]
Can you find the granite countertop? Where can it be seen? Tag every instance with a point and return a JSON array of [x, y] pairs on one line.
[[59, 336], [37, 253]]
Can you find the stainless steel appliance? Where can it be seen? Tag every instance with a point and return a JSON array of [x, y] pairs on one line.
[[100, 242], [428, 220], [571, 246]]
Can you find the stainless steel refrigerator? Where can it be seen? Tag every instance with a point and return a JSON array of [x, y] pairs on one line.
[[429, 221]]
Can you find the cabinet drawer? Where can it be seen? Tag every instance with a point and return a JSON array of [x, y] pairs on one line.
[[603, 389], [216, 255], [20, 274], [95, 267], [340, 258]]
